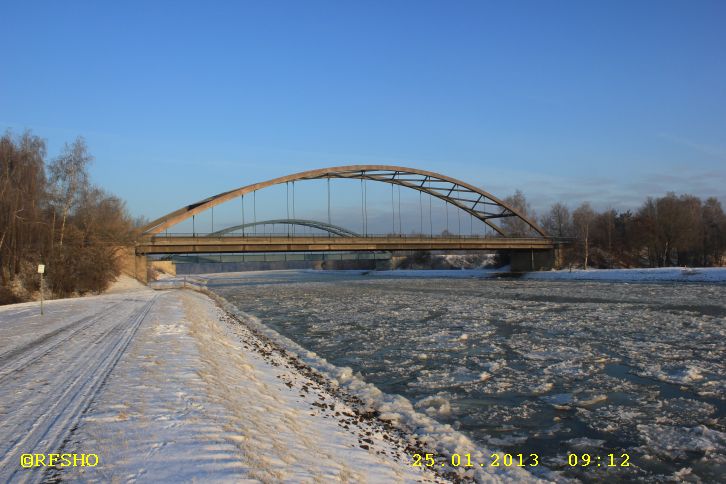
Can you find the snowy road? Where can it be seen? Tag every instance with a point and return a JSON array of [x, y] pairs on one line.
[[52, 366]]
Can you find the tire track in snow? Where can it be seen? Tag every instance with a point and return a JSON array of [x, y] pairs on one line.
[[28, 353], [57, 415]]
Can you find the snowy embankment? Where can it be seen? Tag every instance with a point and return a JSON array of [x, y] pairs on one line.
[[663, 274], [165, 385], [391, 420], [636, 368]]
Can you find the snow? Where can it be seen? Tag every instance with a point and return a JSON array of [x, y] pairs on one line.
[[543, 363], [422, 431], [124, 283], [216, 407], [662, 274], [52, 366], [434, 405], [165, 385]]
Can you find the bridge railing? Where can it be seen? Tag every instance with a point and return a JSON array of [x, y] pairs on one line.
[[277, 235]]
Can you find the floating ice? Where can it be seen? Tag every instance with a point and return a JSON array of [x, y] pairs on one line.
[[559, 399], [561, 360], [434, 405], [586, 443], [678, 442]]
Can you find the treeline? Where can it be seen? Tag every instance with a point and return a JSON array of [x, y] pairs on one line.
[[51, 214], [667, 231]]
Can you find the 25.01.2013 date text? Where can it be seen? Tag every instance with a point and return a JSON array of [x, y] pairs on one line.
[[464, 460]]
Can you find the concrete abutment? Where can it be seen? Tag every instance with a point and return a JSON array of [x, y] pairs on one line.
[[533, 260], [133, 264]]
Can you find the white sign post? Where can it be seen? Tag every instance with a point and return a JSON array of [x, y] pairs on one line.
[[41, 271]]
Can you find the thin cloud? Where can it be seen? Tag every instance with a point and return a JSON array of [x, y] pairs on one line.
[[608, 192], [703, 148]]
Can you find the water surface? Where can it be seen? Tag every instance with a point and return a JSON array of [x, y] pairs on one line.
[[526, 366]]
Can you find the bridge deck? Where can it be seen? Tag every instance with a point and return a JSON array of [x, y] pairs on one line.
[[206, 244]]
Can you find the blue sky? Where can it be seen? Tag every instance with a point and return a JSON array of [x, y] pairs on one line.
[[607, 102]]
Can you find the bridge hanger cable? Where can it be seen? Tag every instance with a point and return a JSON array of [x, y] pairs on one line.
[[287, 206], [458, 214], [367, 204], [362, 210], [365, 192], [254, 209], [293, 205], [393, 213], [329, 222], [446, 208], [420, 209], [400, 227], [431, 222], [243, 215]]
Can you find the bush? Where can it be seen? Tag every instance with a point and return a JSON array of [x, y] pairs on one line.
[[7, 296]]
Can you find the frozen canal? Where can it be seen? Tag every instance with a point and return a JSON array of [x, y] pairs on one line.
[[546, 367]]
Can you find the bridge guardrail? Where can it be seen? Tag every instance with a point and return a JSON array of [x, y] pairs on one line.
[[271, 236]]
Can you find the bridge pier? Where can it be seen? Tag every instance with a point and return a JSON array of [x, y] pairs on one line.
[[532, 260]]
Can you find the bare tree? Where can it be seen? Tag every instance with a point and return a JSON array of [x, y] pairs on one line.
[[22, 185], [713, 232], [69, 178], [93, 224], [557, 222], [515, 226], [583, 218]]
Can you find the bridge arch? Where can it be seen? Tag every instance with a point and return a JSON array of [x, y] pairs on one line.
[[330, 228], [475, 201]]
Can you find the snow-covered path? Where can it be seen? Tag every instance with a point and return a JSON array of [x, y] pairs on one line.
[[52, 366], [161, 387]]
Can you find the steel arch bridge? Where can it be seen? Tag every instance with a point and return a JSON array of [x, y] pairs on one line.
[[481, 204], [475, 201], [313, 224]]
